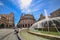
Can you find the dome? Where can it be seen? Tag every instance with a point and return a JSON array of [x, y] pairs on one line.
[[27, 16]]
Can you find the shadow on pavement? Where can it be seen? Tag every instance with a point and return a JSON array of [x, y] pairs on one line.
[[5, 36]]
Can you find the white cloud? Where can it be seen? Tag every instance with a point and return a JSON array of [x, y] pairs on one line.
[[25, 3], [37, 2], [1, 4]]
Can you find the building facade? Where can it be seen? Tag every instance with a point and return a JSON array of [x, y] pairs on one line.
[[41, 17], [26, 21], [7, 20], [53, 14]]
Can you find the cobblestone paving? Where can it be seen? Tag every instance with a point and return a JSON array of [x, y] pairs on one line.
[[11, 37], [7, 34]]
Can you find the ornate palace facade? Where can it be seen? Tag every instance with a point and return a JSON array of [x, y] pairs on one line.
[[26, 21], [7, 20]]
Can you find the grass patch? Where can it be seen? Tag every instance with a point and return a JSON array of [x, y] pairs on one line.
[[46, 32], [28, 36], [52, 33]]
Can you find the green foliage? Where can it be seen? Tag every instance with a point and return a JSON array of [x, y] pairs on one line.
[[28, 36]]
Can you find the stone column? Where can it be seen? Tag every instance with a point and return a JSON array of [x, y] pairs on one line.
[[8, 25], [24, 25], [27, 25], [0, 25], [5, 25], [30, 24]]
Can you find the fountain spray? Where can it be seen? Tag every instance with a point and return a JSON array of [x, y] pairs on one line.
[[47, 18]]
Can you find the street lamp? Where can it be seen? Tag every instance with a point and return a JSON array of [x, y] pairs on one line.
[[0, 17]]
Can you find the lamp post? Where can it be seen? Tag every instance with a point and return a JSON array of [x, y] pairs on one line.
[[0, 19], [8, 22]]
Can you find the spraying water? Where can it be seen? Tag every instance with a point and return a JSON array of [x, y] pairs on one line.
[[46, 14], [46, 17], [46, 22]]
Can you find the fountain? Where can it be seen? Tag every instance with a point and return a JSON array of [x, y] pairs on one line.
[[49, 24]]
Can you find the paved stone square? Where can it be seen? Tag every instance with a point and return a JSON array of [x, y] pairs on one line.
[[7, 34]]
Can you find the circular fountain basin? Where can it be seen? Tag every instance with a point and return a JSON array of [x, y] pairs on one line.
[[51, 23]]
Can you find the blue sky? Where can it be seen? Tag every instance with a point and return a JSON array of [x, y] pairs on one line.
[[35, 8]]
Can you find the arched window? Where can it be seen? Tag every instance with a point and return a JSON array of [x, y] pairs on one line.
[[2, 25]]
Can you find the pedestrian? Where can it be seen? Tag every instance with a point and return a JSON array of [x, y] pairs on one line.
[[16, 31]]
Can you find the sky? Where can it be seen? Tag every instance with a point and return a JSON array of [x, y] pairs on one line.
[[34, 7]]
